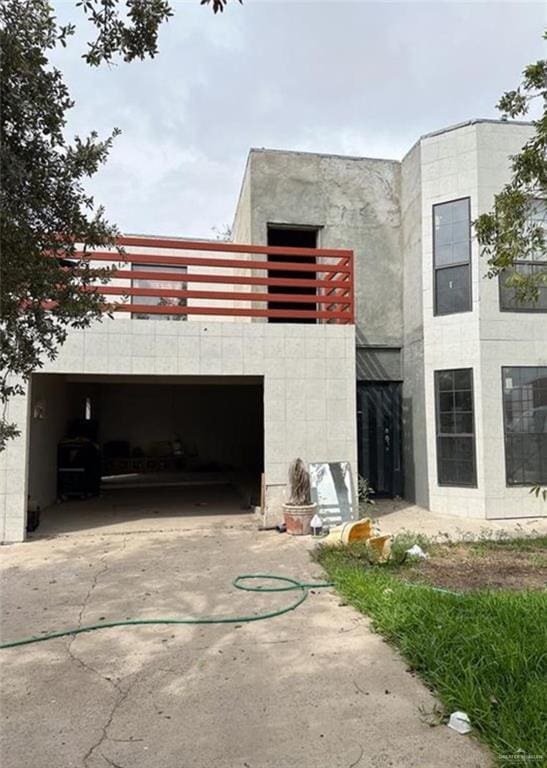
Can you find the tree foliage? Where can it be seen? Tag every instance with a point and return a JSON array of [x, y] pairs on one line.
[[44, 209], [515, 229], [45, 213], [129, 29]]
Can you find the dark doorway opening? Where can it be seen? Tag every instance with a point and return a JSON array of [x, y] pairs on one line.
[[379, 436], [292, 238], [118, 449]]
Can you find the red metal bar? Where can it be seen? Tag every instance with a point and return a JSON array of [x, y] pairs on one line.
[[191, 277], [208, 245], [172, 293], [154, 309], [182, 261], [330, 275]]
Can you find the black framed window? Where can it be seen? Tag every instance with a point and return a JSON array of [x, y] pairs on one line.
[[452, 256], [525, 424], [152, 285], [455, 427], [533, 263]]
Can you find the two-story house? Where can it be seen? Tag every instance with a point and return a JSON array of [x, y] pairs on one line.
[[351, 319]]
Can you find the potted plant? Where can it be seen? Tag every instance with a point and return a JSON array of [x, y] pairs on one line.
[[298, 510]]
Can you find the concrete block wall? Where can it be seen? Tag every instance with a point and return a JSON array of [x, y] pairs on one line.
[[14, 473], [449, 171], [309, 389], [506, 338], [474, 161]]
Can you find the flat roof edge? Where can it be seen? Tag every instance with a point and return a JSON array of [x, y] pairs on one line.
[[475, 121], [172, 237], [465, 124], [267, 150], [430, 134]]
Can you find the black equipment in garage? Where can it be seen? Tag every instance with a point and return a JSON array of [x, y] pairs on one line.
[[78, 468]]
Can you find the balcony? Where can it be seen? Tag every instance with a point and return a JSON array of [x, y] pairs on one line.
[[176, 279]]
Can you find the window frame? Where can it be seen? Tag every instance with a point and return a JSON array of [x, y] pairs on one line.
[[439, 434], [135, 299], [467, 263], [504, 424], [525, 263]]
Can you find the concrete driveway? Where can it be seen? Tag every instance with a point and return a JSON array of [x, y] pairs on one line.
[[312, 688]]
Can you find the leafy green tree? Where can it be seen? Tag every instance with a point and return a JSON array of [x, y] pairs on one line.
[[129, 29], [44, 209], [515, 229]]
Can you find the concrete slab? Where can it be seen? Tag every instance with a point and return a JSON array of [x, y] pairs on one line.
[[395, 516], [313, 687], [136, 507]]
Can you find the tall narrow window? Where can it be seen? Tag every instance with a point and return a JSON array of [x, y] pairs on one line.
[[525, 424], [452, 257], [455, 427], [150, 288], [532, 263]]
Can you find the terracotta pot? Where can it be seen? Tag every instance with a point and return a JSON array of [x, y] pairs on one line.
[[298, 519]]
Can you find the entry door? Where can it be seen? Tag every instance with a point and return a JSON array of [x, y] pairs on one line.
[[379, 433]]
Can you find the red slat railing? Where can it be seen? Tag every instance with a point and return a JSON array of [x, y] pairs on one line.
[[308, 284]]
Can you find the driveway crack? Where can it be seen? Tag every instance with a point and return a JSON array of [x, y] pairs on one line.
[[121, 693], [71, 640], [122, 696]]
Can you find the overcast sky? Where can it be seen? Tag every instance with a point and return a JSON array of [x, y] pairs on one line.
[[359, 78]]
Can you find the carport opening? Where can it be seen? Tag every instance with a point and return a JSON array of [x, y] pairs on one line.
[[109, 449]]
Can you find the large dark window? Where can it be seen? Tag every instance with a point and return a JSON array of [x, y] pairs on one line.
[[533, 263], [455, 427], [525, 423], [452, 257]]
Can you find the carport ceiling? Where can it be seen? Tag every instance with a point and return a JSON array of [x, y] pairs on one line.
[[137, 379]]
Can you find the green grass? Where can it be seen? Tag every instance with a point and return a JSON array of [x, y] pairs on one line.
[[482, 652]]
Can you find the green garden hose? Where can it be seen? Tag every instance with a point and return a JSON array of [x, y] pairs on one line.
[[290, 585]]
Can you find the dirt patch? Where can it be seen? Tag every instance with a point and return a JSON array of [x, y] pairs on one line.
[[464, 567]]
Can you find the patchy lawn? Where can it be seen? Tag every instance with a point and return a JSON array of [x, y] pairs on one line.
[[519, 564], [482, 646]]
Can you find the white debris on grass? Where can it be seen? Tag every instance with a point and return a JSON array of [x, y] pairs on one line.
[[459, 721], [417, 551]]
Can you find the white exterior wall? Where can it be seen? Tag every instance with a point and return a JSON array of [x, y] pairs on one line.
[[309, 389], [14, 473], [507, 338], [473, 161], [449, 171]]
